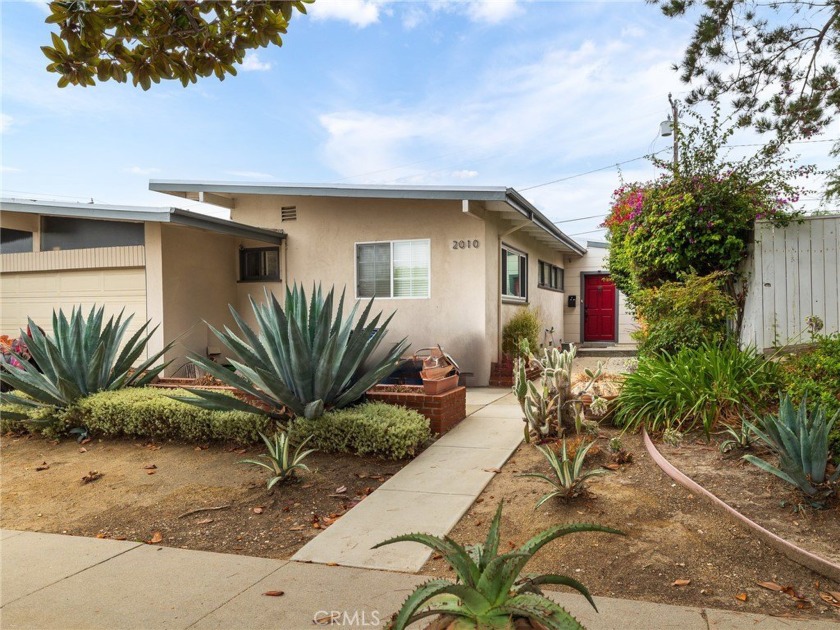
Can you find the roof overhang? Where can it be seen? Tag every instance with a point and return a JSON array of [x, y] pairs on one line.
[[142, 214], [509, 201]]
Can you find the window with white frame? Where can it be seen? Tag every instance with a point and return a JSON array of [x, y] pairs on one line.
[[514, 274], [393, 269]]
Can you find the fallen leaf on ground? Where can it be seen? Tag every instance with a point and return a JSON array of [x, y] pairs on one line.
[[832, 599], [611, 466], [492, 470], [296, 528], [258, 510], [327, 619], [83, 450], [274, 593], [741, 597], [361, 475], [149, 467], [772, 586], [204, 521], [681, 583], [835, 594], [437, 556], [307, 485], [332, 564], [789, 590], [85, 441], [156, 538], [92, 476], [341, 490], [101, 535], [44, 466], [241, 451]]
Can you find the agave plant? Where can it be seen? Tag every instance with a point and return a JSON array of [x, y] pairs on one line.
[[488, 592], [568, 477], [282, 462], [83, 357], [302, 358], [801, 442]]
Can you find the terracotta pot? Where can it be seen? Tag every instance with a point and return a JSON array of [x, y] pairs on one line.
[[441, 385]]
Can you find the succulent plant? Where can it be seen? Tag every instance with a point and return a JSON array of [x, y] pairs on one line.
[[801, 442], [301, 358], [85, 355], [282, 462], [488, 591], [568, 476]]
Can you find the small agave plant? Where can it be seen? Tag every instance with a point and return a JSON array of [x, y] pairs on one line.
[[568, 476], [280, 460], [488, 592]]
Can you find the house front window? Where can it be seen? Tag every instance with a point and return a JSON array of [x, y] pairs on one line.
[[551, 277], [393, 269], [259, 264], [15, 241], [514, 274]]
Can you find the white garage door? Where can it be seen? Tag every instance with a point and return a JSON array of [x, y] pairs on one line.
[[36, 294]]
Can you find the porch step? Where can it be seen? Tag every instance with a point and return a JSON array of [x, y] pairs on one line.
[[620, 350]]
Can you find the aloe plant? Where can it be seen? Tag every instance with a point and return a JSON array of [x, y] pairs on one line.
[[568, 477], [85, 355], [301, 357], [488, 592], [280, 460], [801, 442]]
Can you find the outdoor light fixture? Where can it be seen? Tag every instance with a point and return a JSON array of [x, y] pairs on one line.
[[666, 128]]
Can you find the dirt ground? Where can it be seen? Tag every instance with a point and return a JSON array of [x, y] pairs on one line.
[[762, 497], [146, 488], [671, 536]]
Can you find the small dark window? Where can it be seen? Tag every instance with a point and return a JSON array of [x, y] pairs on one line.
[[15, 241], [71, 233], [551, 276], [259, 264], [514, 274]]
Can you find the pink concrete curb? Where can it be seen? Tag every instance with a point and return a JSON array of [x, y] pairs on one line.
[[797, 554]]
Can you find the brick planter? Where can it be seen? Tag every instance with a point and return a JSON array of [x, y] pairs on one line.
[[182, 383], [501, 374], [444, 411]]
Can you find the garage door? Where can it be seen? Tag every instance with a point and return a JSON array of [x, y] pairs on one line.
[[36, 294]]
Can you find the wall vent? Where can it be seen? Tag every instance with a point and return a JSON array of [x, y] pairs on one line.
[[288, 213]]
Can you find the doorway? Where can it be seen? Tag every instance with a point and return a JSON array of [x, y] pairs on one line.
[[600, 308]]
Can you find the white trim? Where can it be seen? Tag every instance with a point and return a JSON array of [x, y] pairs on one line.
[[391, 243], [515, 298]]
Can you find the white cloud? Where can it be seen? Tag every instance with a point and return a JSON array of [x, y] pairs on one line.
[[141, 170], [360, 13], [464, 174], [250, 175], [252, 63], [5, 122], [492, 11]]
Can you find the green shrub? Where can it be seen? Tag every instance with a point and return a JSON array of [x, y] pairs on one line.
[[525, 324], [152, 413], [706, 385], [372, 428], [684, 314], [815, 376]]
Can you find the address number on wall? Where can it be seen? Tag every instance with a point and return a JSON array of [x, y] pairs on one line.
[[465, 244]]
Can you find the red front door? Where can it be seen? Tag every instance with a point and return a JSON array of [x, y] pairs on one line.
[[598, 308]]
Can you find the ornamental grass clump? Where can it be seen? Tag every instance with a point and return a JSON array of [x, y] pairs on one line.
[[302, 356], [488, 591], [696, 386], [85, 355]]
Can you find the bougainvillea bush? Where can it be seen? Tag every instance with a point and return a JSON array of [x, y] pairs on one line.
[[697, 217]]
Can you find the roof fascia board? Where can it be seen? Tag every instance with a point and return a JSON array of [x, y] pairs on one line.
[[221, 226]]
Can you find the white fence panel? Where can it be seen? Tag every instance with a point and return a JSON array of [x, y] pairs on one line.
[[794, 272]]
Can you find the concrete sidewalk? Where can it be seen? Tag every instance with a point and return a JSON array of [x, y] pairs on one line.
[[430, 494], [53, 582]]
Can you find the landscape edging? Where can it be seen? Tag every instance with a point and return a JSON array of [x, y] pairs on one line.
[[795, 553]]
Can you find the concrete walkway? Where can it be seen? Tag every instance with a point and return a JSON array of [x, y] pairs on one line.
[[430, 494], [53, 582]]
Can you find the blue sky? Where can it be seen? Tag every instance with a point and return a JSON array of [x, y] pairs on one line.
[[497, 92]]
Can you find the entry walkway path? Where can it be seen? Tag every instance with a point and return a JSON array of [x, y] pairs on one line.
[[54, 582], [430, 494]]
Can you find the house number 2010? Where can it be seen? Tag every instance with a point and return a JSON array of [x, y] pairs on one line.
[[465, 244]]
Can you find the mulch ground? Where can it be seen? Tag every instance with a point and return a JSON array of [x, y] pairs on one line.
[[146, 490], [677, 550]]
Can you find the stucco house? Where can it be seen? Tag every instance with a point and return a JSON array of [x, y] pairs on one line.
[[455, 263]]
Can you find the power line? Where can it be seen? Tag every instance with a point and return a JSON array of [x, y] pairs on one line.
[[596, 170], [594, 216]]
